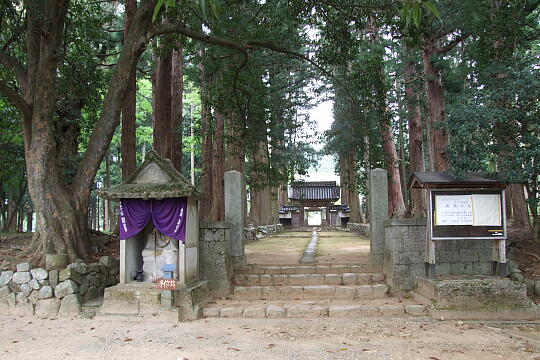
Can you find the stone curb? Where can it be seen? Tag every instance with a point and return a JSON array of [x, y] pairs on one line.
[[310, 310], [308, 279], [311, 292]]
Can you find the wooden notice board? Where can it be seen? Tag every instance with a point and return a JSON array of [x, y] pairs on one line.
[[467, 214]]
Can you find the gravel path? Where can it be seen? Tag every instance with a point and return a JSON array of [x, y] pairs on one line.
[[326, 338]]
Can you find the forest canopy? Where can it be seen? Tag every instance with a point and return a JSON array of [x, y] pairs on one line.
[[88, 87]]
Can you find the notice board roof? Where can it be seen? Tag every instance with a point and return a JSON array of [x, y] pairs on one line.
[[441, 180]]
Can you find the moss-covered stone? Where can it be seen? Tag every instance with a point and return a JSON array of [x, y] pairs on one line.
[[164, 182]]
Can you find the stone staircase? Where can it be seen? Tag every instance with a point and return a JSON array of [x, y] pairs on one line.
[[335, 290]]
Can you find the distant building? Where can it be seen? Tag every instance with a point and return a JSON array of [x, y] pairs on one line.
[[311, 203]]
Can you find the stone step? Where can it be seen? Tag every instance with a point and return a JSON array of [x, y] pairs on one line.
[[306, 269], [310, 292], [310, 309], [308, 279]]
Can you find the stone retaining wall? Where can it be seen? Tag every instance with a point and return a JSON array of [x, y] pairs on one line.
[[41, 292], [404, 249], [362, 229], [259, 232]]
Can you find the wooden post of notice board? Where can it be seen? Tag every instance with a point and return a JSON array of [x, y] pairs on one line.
[[430, 244]]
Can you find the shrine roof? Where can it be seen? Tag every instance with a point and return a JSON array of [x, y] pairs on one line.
[[314, 190], [156, 178]]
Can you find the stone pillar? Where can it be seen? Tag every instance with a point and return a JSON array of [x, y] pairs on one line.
[[234, 214], [378, 210], [215, 259]]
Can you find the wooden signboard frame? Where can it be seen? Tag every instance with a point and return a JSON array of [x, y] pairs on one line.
[[463, 226]]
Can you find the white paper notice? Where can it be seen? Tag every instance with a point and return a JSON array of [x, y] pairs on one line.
[[453, 210], [486, 210]]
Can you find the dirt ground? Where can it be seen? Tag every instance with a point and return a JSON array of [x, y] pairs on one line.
[[12, 245], [342, 247], [321, 338], [287, 248]]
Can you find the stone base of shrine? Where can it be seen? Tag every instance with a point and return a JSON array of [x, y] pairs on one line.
[[473, 293], [190, 299], [144, 300]]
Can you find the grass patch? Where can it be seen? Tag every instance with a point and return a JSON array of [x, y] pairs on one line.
[[277, 249], [343, 249], [336, 233]]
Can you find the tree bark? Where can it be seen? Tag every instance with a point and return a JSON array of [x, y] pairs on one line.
[[436, 111], [283, 195], [519, 207], [343, 179], [396, 205], [62, 212], [107, 182], [177, 92], [261, 205], [207, 142], [354, 201], [129, 109], [29, 220], [236, 152], [416, 153], [163, 137], [218, 170]]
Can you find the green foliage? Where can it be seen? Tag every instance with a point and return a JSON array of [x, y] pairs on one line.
[[412, 11]]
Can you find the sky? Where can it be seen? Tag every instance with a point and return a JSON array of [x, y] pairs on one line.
[[323, 116]]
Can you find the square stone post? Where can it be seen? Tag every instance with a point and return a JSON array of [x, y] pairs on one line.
[[378, 213], [234, 214], [215, 259]]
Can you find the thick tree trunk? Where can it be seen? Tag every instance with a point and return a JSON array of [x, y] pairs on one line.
[[354, 201], [128, 142], [396, 205], [11, 223], [29, 220], [236, 152], [177, 91], [162, 105], [167, 94], [218, 170], [62, 213], [416, 153], [63, 229], [402, 166], [107, 182], [343, 179], [436, 112], [519, 207], [261, 204], [283, 195], [207, 142]]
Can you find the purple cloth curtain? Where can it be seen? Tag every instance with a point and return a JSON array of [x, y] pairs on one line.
[[168, 215]]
